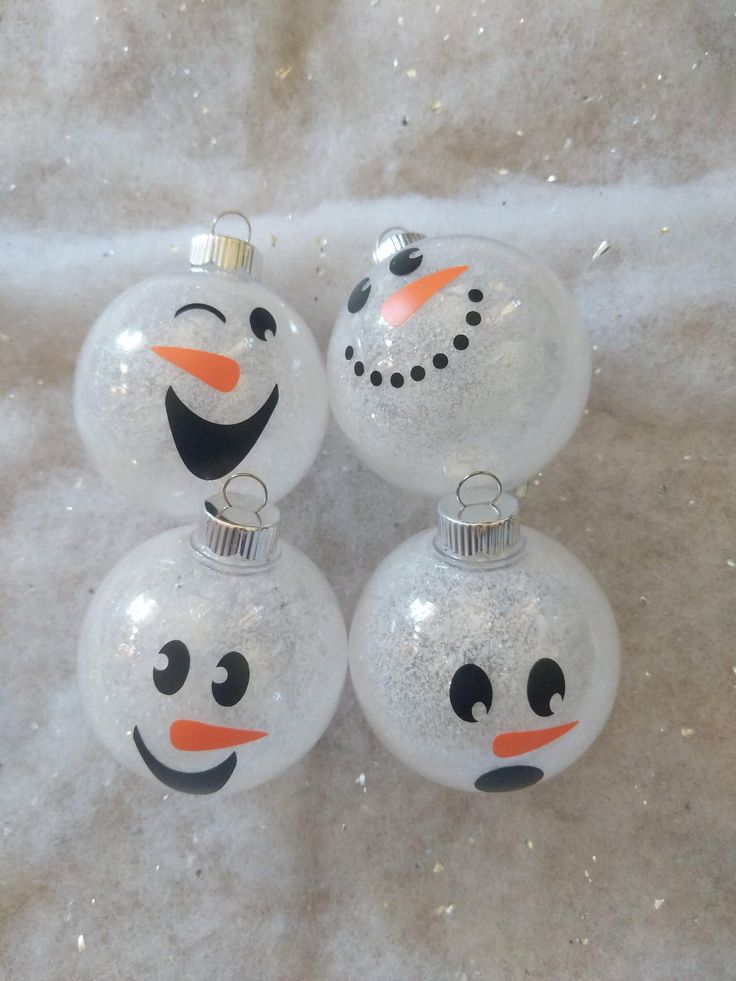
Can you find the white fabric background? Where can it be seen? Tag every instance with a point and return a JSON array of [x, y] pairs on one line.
[[124, 129]]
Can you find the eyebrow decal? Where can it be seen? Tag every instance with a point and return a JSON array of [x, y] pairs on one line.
[[202, 306]]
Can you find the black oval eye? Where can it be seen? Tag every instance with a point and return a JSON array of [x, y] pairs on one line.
[[545, 680], [262, 323], [231, 690], [359, 297], [470, 685], [405, 262], [169, 680]]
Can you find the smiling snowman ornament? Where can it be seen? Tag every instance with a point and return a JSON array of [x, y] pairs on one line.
[[186, 378], [457, 351], [212, 658]]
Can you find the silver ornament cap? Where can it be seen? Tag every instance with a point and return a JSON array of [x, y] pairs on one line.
[[226, 252], [239, 529], [478, 527], [393, 240]]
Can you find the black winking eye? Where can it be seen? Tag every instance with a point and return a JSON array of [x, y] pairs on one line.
[[406, 262], [262, 323], [359, 297], [545, 680], [231, 690], [470, 685], [170, 679]]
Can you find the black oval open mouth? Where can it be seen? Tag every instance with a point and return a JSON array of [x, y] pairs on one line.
[[203, 782], [508, 778], [211, 450]]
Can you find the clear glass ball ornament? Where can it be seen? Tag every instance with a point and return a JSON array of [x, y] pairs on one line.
[[484, 656], [211, 660], [454, 350], [185, 377]]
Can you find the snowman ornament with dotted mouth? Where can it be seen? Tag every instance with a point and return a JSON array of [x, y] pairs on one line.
[[186, 377], [454, 350]]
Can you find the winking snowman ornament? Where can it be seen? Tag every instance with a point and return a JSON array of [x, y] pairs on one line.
[[185, 378]]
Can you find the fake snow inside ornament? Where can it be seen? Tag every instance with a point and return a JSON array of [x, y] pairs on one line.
[[454, 350], [485, 656], [183, 377], [213, 659]]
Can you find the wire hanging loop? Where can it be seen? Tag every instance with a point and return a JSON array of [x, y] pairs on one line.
[[224, 214], [252, 476], [491, 503]]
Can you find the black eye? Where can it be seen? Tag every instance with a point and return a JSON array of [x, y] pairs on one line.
[[169, 680], [359, 296], [262, 323], [231, 690], [545, 680], [470, 685], [405, 262]]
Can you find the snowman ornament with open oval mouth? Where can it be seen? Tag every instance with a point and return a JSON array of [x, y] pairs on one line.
[[484, 655]]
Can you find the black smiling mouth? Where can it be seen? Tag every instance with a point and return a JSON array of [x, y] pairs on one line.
[[505, 778], [418, 372], [203, 782], [210, 450]]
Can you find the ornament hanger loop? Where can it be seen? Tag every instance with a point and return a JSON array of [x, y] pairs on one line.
[[235, 476], [240, 214], [480, 473]]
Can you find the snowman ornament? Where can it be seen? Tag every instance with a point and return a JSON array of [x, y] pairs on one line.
[[484, 655], [184, 378], [455, 350], [212, 657]]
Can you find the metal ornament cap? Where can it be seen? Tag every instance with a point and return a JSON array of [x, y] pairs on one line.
[[238, 529], [393, 240], [481, 532], [226, 252]]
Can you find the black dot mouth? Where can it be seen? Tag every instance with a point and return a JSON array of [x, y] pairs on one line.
[[201, 782], [417, 373], [506, 778]]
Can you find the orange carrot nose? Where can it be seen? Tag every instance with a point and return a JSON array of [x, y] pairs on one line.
[[193, 736], [213, 369], [404, 302], [516, 743]]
